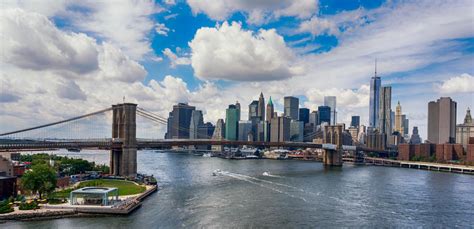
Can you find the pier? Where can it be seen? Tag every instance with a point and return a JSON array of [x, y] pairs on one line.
[[452, 168]]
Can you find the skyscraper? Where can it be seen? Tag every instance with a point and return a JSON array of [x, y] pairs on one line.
[[280, 129], [399, 120], [196, 121], [385, 111], [205, 130], [304, 115], [261, 107], [237, 105], [245, 129], [442, 121], [375, 84], [290, 106], [415, 137], [219, 134], [270, 110], [330, 101], [314, 118], [253, 111], [296, 131], [406, 127], [324, 114], [355, 121], [179, 121], [232, 122]]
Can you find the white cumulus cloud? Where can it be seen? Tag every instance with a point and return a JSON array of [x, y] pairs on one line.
[[174, 59], [31, 41], [459, 84], [257, 12], [232, 53]]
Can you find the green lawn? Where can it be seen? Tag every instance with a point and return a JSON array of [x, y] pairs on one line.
[[124, 187]]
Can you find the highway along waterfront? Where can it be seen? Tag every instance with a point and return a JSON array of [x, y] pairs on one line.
[[258, 193]]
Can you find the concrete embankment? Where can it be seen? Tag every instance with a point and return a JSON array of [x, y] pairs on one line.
[[65, 210], [37, 214]]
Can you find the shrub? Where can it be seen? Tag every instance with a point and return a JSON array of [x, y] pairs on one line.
[[28, 205], [56, 201], [5, 207]]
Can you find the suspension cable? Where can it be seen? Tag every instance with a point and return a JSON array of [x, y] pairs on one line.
[[55, 123]]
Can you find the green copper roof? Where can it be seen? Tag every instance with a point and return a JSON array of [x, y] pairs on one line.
[[270, 102]]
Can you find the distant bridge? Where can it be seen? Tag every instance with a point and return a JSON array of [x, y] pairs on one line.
[[124, 144]]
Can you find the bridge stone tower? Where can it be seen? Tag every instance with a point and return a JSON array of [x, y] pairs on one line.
[[123, 161], [333, 135]]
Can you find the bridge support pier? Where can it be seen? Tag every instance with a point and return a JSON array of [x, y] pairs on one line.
[[332, 158], [123, 161]]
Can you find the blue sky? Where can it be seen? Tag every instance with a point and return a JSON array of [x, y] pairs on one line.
[[210, 53]]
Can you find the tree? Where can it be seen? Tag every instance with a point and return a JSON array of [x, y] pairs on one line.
[[40, 179]]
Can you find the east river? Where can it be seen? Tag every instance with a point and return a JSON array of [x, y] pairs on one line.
[[293, 194]]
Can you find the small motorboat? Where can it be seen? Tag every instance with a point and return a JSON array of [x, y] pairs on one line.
[[266, 173], [215, 172]]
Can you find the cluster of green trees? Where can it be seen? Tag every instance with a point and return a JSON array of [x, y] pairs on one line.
[[40, 179], [64, 165]]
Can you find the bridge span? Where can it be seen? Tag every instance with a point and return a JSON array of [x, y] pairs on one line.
[[124, 143]]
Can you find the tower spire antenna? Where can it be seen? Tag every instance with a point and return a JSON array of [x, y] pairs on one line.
[[375, 67]]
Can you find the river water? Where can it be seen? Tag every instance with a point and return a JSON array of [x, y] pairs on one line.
[[293, 194]]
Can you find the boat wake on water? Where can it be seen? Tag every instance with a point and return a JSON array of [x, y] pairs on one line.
[[274, 186], [267, 174]]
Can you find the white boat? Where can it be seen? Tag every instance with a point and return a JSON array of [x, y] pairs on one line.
[[207, 155], [215, 172], [266, 173], [251, 157]]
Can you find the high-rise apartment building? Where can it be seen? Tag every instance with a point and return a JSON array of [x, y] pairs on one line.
[[232, 122], [374, 103], [179, 121], [442, 121], [290, 106], [330, 101], [355, 121], [324, 114], [304, 115]]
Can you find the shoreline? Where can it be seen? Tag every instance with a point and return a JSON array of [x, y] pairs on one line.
[[48, 212]]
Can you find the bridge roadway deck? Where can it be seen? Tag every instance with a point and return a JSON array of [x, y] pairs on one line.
[[150, 144]]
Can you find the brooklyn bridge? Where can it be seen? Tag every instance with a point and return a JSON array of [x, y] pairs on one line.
[[123, 143]]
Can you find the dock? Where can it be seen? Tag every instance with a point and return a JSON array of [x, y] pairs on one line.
[[452, 168]]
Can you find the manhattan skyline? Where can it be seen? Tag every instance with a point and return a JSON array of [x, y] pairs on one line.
[[57, 63]]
